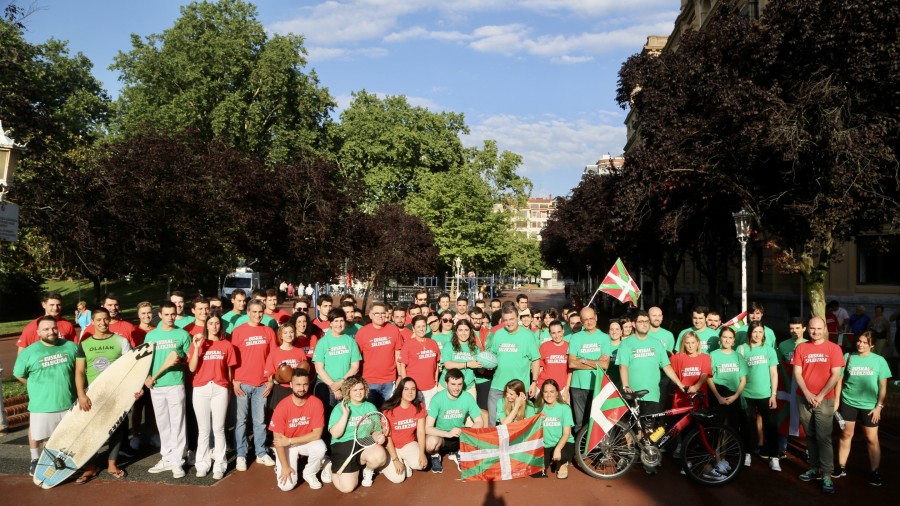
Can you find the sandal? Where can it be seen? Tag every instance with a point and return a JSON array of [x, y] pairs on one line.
[[117, 474], [84, 478]]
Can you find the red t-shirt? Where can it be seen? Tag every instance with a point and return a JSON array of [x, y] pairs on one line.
[[279, 315], [253, 345], [292, 357], [193, 329], [121, 327], [403, 424], [421, 360], [554, 363], [405, 335], [816, 362], [315, 333], [215, 359], [29, 333], [292, 420], [379, 349], [688, 369], [322, 324], [139, 335]]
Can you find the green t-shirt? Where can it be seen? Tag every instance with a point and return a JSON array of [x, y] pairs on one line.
[[786, 349], [352, 328], [244, 318], [555, 418], [530, 410], [356, 413], [613, 371], [861, 377], [184, 322], [740, 337], [443, 340], [449, 413], [709, 339], [99, 354], [590, 346], [728, 369], [336, 354], [50, 371], [665, 337], [229, 318], [166, 341], [515, 353], [759, 381], [463, 355], [644, 358]]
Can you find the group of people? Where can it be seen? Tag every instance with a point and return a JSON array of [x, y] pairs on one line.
[[303, 380]]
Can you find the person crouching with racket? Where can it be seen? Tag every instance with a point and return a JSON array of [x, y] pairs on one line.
[[406, 442], [297, 424], [358, 434]]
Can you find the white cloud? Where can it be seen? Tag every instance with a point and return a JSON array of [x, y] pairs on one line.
[[318, 54], [344, 101], [554, 151]]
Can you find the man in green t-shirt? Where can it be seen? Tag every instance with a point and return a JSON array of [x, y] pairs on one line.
[[518, 358], [656, 330], [588, 349], [447, 415], [46, 368], [640, 359], [95, 354], [238, 307], [709, 338]]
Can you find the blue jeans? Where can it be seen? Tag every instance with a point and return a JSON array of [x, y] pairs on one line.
[[380, 392], [255, 402]]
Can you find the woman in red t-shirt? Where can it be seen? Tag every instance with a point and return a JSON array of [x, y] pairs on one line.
[[285, 353], [211, 359], [406, 441], [692, 368]]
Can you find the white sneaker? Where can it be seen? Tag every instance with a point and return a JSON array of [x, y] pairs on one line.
[[774, 465], [191, 458], [241, 464], [367, 476], [265, 460], [218, 475], [201, 473], [160, 467], [326, 470], [313, 482], [178, 472], [409, 470], [747, 460]]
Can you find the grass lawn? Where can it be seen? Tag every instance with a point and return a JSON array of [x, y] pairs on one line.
[[12, 387], [130, 293]]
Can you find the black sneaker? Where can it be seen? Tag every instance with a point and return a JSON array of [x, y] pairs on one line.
[[32, 467], [436, 466], [839, 472], [875, 478]]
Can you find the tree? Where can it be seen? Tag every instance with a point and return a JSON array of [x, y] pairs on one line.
[[525, 255], [218, 72], [393, 147], [788, 117]]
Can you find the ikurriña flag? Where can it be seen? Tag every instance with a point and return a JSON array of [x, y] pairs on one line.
[[606, 409], [737, 322], [504, 452], [620, 285]]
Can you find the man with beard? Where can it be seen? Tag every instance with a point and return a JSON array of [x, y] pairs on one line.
[[296, 426]]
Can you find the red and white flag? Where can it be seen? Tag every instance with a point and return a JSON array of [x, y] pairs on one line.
[[606, 409], [620, 285]]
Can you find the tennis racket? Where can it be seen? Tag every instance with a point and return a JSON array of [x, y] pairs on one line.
[[364, 435]]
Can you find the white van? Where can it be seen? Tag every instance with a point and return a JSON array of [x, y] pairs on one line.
[[242, 277]]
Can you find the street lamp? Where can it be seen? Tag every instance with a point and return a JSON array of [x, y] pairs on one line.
[[9, 159], [742, 220], [590, 281], [457, 262]]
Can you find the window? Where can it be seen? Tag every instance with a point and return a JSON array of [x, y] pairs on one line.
[[878, 260]]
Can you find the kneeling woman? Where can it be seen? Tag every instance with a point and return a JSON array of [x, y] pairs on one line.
[[559, 445], [406, 441], [342, 426]]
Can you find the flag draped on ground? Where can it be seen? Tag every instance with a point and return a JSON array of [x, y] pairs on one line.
[[619, 284], [606, 409], [504, 452], [737, 322]]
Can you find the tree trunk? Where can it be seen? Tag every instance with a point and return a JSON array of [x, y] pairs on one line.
[[98, 287], [815, 288]]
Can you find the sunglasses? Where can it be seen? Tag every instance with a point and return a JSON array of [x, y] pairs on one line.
[[446, 320]]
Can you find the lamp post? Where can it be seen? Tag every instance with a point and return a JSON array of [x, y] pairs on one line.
[[590, 280], [457, 262], [742, 226]]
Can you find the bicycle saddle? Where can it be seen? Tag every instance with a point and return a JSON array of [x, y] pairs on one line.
[[634, 395]]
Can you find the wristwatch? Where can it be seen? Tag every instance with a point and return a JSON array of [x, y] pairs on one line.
[[582, 361]]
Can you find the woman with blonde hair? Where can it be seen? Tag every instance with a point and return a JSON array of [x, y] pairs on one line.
[[342, 426], [514, 405]]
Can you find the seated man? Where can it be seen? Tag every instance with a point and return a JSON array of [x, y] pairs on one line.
[[447, 416]]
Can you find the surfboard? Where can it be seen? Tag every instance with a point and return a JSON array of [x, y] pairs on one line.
[[81, 433]]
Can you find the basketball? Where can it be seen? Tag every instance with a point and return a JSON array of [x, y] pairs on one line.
[[487, 359], [284, 373]]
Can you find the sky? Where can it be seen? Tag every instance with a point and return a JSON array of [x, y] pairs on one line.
[[537, 76]]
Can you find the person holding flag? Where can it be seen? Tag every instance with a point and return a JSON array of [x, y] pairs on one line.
[[588, 350], [559, 443]]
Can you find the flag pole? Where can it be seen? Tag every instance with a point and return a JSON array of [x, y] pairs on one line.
[[595, 294]]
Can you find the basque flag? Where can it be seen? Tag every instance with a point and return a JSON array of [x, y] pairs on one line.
[[606, 409], [504, 452]]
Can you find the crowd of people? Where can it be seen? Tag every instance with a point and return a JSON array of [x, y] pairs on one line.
[[296, 384]]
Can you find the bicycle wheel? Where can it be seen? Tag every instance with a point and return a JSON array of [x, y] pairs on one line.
[[712, 457], [613, 457]]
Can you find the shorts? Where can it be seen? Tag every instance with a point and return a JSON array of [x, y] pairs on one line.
[[340, 452], [852, 414], [481, 394], [43, 424], [451, 445]]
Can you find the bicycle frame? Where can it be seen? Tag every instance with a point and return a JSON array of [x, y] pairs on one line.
[[683, 423]]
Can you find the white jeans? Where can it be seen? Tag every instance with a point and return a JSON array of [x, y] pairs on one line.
[[409, 456], [211, 403], [315, 450], [168, 406]]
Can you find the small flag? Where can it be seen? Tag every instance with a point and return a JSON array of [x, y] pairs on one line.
[[788, 409], [606, 409], [619, 284], [504, 452], [737, 322]]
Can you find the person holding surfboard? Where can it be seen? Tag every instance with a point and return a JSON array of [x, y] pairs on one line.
[[95, 353], [46, 369], [166, 384]]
